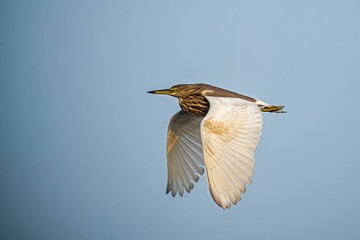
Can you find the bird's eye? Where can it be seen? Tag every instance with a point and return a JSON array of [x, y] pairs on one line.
[[174, 89]]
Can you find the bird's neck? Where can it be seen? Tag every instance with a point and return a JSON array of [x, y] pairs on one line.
[[194, 105]]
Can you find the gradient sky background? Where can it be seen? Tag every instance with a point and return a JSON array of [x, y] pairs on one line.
[[83, 146]]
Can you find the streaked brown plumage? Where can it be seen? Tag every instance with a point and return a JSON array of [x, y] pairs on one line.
[[216, 129], [195, 105]]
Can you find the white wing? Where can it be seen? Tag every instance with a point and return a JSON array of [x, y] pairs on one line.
[[184, 153], [230, 132]]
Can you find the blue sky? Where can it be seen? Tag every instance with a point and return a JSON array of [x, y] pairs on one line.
[[82, 153]]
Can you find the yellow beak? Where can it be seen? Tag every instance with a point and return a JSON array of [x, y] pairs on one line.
[[162, 91]]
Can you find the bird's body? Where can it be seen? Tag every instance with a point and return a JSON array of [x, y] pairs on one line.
[[194, 101], [218, 129]]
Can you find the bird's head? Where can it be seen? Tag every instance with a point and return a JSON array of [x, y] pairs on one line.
[[180, 91]]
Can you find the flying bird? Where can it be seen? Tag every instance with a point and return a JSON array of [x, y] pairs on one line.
[[215, 129]]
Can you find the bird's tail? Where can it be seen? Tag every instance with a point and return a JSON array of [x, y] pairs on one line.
[[273, 109]]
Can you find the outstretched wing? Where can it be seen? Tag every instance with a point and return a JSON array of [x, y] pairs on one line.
[[230, 132], [184, 153]]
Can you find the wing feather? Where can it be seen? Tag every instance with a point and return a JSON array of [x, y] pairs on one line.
[[184, 153], [230, 133]]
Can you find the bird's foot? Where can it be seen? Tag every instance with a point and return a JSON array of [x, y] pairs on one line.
[[273, 109]]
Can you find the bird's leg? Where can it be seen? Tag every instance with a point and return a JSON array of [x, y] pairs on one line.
[[272, 108]]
